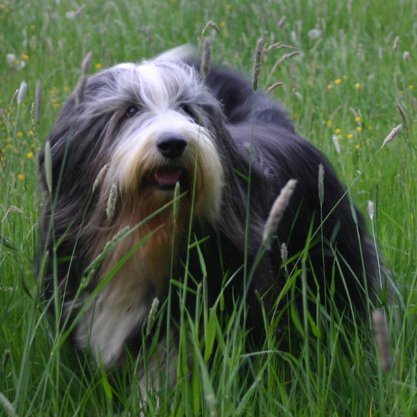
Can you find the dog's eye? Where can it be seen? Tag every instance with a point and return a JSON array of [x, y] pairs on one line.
[[131, 111]]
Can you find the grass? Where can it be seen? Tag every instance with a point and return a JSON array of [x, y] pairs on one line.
[[348, 81]]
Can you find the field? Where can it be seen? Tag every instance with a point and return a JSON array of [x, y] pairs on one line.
[[352, 81]]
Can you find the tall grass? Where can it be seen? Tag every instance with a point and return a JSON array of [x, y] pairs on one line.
[[355, 78]]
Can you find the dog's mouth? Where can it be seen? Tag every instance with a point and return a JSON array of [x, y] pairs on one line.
[[167, 177]]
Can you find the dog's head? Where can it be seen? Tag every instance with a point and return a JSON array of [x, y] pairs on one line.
[[140, 129]]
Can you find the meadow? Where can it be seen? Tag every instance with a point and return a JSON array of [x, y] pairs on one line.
[[352, 80]]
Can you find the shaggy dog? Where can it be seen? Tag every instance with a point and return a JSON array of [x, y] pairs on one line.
[[152, 172]]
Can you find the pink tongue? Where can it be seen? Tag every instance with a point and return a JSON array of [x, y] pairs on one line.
[[167, 177]]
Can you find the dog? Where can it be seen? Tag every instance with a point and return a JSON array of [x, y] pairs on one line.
[[152, 167]]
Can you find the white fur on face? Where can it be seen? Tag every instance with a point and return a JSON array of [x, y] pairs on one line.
[[161, 90]]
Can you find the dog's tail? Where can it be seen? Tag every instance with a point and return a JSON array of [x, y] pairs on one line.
[[180, 53]]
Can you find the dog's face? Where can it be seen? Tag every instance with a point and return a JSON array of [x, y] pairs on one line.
[[158, 135]]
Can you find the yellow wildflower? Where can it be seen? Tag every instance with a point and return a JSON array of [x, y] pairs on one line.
[[357, 86], [338, 131], [29, 155], [338, 81], [359, 129], [98, 65], [19, 134], [20, 177], [329, 123], [349, 136], [358, 119], [25, 57]]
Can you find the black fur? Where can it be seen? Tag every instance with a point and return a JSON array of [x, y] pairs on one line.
[[261, 152]]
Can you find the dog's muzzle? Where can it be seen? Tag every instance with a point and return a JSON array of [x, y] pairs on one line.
[[172, 148]]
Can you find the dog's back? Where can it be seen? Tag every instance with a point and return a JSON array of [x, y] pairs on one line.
[[321, 229]]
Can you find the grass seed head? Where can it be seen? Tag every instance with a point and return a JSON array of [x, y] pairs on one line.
[[396, 43], [85, 67], [284, 253], [152, 315], [175, 207], [111, 203], [7, 406], [391, 135], [371, 210], [277, 212], [284, 58], [336, 143], [257, 62], [38, 102], [274, 86], [403, 114], [48, 166], [21, 93], [205, 57], [321, 184], [382, 340], [282, 22], [100, 176]]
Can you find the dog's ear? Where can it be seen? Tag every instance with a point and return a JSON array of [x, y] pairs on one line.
[[64, 166]]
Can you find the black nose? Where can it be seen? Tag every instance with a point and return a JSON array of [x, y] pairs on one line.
[[171, 146]]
